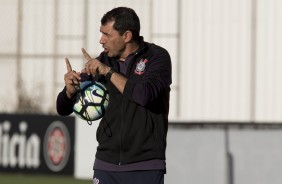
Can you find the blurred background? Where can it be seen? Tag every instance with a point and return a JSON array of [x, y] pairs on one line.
[[226, 96]]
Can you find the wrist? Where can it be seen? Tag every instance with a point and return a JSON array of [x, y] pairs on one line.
[[109, 73], [69, 95]]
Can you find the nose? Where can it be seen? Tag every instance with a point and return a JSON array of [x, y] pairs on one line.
[[102, 40]]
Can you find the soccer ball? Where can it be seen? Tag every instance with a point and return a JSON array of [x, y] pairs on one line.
[[92, 101]]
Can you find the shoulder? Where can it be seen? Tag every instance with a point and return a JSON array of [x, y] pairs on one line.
[[157, 50], [155, 47]]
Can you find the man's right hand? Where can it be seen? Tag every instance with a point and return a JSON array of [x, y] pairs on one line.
[[72, 79]]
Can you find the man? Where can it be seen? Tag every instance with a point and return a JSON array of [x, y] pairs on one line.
[[132, 134]]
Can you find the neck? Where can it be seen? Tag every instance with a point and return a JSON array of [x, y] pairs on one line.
[[130, 48]]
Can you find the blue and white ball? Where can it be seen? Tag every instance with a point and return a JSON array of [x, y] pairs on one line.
[[92, 101]]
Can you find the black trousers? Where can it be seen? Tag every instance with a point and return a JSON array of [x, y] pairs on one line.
[[129, 177]]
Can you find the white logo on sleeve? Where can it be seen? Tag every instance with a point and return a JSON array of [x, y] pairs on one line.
[[95, 181]]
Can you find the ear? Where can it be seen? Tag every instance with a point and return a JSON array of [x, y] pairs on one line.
[[127, 36]]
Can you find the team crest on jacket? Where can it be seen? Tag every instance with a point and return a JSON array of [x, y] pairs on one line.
[[140, 67]]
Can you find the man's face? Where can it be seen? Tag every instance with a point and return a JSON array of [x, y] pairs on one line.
[[112, 42]]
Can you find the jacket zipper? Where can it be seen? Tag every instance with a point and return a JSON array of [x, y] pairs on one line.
[[128, 71], [120, 137]]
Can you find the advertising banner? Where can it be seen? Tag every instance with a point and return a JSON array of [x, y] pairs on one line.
[[37, 144]]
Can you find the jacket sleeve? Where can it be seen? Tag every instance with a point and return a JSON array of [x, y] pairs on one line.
[[64, 104], [155, 81]]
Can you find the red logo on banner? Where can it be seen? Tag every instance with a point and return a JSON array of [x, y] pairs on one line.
[[56, 146]]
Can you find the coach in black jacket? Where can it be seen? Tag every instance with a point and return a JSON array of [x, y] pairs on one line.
[[132, 134]]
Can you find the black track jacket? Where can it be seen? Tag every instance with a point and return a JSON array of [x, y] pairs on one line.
[[134, 127]]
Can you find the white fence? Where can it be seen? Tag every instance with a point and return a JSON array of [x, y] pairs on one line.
[[225, 53]]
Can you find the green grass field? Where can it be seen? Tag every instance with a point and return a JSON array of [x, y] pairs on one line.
[[39, 179]]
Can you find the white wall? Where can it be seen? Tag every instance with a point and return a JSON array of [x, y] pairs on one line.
[[199, 155], [215, 60], [269, 61], [230, 61], [85, 148], [225, 53]]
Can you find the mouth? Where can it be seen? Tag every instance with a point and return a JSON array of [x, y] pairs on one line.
[[106, 50]]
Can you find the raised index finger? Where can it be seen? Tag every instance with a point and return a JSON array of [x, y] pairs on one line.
[[68, 65], [86, 55]]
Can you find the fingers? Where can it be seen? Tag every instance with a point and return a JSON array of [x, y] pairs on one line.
[[71, 73], [86, 55], [88, 58], [83, 70], [68, 65], [72, 78], [92, 66]]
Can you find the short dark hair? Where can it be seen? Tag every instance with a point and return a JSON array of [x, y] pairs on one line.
[[125, 19]]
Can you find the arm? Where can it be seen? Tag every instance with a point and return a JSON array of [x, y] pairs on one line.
[[64, 103], [66, 98], [94, 66], [155, 80]]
